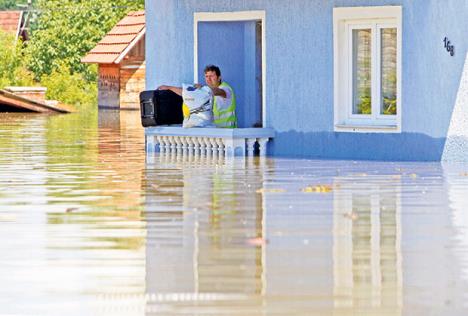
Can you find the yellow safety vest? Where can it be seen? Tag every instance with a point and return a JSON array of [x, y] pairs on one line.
[[225, 117]]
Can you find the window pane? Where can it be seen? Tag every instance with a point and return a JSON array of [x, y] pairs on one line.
[[362, 63], [388, 97]]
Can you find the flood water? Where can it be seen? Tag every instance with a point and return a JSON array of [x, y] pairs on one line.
[[91, 226]]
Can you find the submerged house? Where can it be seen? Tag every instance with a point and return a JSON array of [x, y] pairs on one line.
[[121, 59], [377, 80]]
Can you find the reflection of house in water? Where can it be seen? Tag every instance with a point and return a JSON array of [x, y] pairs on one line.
[[367, 265], [339, 252], [200, 214], [199, 219], [121, 154]]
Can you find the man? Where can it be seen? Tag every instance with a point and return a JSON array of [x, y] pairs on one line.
[[224, 101]]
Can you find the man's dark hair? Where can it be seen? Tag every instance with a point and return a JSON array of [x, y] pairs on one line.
[[213, 68]]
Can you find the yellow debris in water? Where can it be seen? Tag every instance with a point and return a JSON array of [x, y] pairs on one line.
[[317, 189]]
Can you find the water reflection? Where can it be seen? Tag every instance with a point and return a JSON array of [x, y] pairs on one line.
[[91, 226], [204, 213], [457, 182], [69, 240], [249, 240], [367, 265], [121, 156]]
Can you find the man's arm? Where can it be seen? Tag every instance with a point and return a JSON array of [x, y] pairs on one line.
[[218, 92], [177, 90]]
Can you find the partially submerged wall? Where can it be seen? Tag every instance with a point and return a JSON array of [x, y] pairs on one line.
[[299, 72]]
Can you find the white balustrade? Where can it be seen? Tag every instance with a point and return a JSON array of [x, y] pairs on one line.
[[220, 144], [251, 146], [262, 143], [214, 146], [215, 142]]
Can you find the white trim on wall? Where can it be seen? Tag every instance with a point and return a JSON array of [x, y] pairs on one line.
[[232, 17], [343, 20]]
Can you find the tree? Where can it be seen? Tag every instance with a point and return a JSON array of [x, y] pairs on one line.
[[10, 4], [67, 29], [12, 69]]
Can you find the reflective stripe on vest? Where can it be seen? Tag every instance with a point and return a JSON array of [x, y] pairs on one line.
[[226, 117]]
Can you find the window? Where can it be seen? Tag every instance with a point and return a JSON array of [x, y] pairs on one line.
[[367, 69]]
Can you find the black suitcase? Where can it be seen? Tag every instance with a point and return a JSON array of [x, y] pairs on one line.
[[160, 107], [147, 109]]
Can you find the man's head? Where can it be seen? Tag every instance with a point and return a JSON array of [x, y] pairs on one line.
[[212, 76]]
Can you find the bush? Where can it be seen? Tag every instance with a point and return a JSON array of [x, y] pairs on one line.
[[70, 88], [13, 71]]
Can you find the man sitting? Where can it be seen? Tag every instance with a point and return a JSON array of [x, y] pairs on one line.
[[224, 101]]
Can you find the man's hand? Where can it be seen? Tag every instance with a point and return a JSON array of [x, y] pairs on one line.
[[218, 92]]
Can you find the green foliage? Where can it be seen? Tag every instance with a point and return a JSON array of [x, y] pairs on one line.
[[68, 29], [64, 31], [12, 69], [365, 106], [70, 88], [11, 4], [389, 105]]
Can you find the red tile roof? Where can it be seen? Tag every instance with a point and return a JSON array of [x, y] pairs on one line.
[[10, 21], [119, 40]]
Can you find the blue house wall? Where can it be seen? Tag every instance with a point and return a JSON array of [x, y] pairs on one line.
[[299, 72]]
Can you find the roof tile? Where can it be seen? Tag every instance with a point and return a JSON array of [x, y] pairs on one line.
[[117, 39], [126, 29], [109, 48], [100, 58], [132, 20], [9, 20]]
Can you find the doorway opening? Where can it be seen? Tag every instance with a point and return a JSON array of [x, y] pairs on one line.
[[234, 41]]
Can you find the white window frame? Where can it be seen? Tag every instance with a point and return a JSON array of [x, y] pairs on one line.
[[344, 21], [235, 16]]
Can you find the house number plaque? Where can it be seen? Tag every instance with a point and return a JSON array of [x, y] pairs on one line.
[[449, 47]]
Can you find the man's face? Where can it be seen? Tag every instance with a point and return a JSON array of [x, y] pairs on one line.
[[211, 79]]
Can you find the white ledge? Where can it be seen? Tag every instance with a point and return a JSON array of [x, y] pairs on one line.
[[366, 127], [207, 141], [210, 132]]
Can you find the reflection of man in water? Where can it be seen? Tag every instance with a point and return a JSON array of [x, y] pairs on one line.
[[224, 103]]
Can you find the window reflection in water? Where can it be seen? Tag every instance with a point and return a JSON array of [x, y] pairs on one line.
[[203, 214], [366, 247]]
